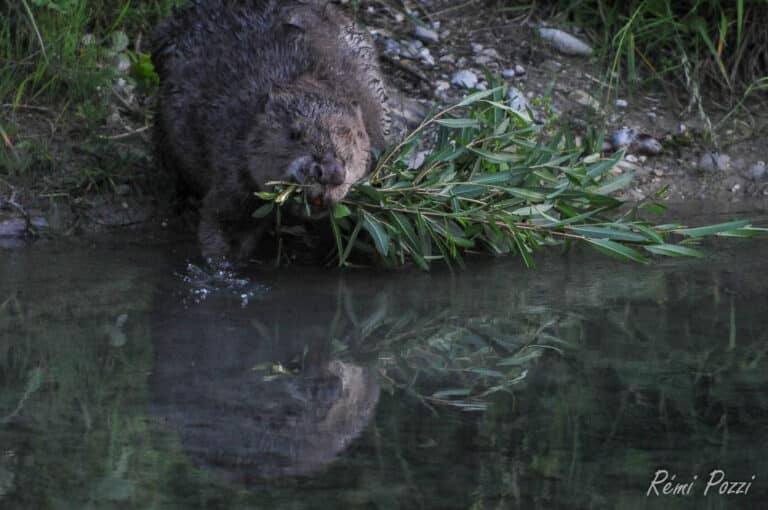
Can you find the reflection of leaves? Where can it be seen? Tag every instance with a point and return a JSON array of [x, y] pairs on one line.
[[34, 381], [446, 359], [114, 489]]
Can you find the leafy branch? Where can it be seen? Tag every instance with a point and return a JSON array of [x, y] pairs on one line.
[[493, 181]]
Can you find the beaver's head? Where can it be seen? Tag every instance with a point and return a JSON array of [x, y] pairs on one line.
[[307, 137]]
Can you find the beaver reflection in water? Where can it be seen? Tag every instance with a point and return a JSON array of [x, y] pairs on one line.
[[253, 91]]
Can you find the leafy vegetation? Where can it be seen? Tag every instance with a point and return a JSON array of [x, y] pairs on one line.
[[494, 181], [690, 43], [70, 48]]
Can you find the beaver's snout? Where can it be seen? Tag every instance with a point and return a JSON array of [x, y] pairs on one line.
[[327, 171]]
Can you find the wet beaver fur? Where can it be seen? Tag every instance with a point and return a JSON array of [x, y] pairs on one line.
[[253, 91]]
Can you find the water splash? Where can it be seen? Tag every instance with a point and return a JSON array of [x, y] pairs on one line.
[[204, 281]]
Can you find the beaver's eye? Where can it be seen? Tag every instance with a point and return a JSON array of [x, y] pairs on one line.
[[294, 134]]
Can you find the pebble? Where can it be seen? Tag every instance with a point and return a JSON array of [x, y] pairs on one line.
[[426, 57], [517, 100], [565, 43], [758, 172], [639, 143], [647, 145], [519, 69], [508, 73], [425, 34], [519, 103], [465, 79], [714, 161], [622, 103], [584, 99]]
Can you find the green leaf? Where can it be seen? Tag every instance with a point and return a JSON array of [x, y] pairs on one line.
[[119, 41], [497, 157], [266, 195], [534, 210], [264, 210], [341, 211], [746, 232], [459, 123], [649, 233], [617, 250], [339, 240], [673, 250], [616, 234], [377, 232], [616, 184], [654, 208], [709, 230], [600, 168], [477, 96], [527, 194]]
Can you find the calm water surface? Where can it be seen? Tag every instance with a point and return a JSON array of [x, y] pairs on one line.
[[130, 380]]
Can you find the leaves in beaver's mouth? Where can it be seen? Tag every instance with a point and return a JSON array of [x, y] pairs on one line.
[[493, 180]]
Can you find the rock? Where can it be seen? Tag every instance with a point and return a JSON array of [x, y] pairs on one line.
[[584, 99], [442, 85], [621, 103], [647, 145], [519, 103], [491, 53], [465, 79], [733, 183], [517, 100], [519, 70], [713, 161], [508, 73], [639, 143], [426, 57], [758, 172], [565, 43], [425, 34], [392, 47]]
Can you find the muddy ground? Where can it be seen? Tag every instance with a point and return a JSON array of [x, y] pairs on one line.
[[59, 178]]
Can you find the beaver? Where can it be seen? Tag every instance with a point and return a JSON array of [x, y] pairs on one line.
[[253, 91]]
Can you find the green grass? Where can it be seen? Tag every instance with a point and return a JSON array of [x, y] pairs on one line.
[[66, 49], [692, 42]]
